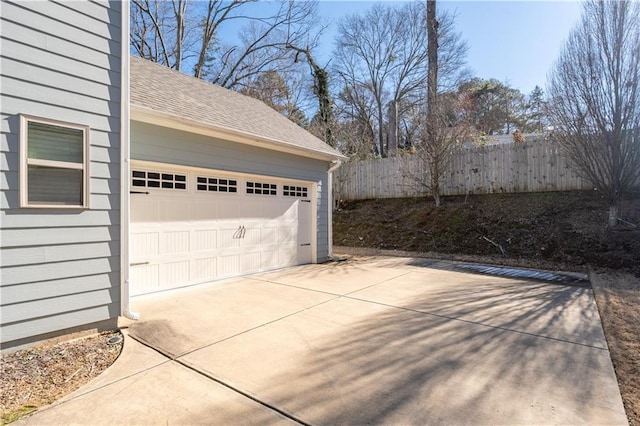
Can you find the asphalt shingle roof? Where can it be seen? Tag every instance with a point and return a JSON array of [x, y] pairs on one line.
[[167, 91]]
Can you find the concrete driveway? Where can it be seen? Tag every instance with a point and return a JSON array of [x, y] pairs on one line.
[[374, 341]]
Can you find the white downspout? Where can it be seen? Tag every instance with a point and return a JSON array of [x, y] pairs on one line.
[[125, 140], [335, 165]]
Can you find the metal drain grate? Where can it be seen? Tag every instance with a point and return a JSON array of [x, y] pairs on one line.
[[572, 279]]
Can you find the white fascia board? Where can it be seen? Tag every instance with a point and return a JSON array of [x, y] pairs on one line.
[[150, 116]]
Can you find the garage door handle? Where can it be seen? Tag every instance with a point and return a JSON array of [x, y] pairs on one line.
[[304, 245], [240, 233], [139, 192], [138, 263]]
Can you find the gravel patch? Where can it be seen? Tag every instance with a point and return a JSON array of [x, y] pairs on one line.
[[37, 376]]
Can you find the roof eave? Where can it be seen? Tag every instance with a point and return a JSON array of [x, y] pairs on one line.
[[151, 116]]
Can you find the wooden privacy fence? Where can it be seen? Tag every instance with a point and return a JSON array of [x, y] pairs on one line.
[[532, 166]]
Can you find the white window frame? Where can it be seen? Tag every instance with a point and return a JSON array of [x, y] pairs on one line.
[[25, 162]]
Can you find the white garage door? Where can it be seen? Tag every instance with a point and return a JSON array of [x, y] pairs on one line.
[[193, 226]]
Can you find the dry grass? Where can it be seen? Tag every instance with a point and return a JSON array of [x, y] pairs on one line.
[[618, 299], [34, 377]]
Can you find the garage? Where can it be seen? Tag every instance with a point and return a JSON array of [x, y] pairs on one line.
[[194, 225], [219, 185]]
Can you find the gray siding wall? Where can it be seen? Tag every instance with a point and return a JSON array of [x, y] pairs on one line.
[[164, 145], [60, 267]]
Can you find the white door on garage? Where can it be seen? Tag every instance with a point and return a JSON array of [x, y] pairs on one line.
[[190, 226]]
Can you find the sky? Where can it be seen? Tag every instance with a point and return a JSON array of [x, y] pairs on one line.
[[515, 42]]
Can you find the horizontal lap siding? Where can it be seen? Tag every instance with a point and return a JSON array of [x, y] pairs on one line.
[[60, 268], [164, 145]]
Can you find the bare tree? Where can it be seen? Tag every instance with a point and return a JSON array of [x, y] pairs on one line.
[[217, 12], [383, 52], [182, 35], [441, 134], [355, 122], [594, 102], [149, 28], [441, 131], [272, 89]]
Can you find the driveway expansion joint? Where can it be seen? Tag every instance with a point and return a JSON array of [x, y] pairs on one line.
[[245, 394], [496, 327], [221, 382]]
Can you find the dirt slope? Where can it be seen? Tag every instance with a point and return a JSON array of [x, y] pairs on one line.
[[557, 230]]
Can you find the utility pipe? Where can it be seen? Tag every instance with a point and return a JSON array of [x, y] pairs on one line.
[[125, 140], [334, 166]]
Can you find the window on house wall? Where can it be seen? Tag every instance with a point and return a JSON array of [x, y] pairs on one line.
[[54, 163]]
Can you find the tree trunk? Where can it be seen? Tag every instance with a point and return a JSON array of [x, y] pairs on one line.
[[382, 151], [436, 196], [432, 57], [613, 215], [432, 93], [180, 10], [392, 130], [435, 181]]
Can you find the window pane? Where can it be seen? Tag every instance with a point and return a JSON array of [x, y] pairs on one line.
[[51, 185], [48, 142]]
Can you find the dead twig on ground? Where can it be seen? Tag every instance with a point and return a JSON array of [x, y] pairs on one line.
[[495, 244]]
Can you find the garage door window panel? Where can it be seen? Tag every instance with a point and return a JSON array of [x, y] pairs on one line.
[[295, 191], [262, 188], [158, 180], [216, 184]]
